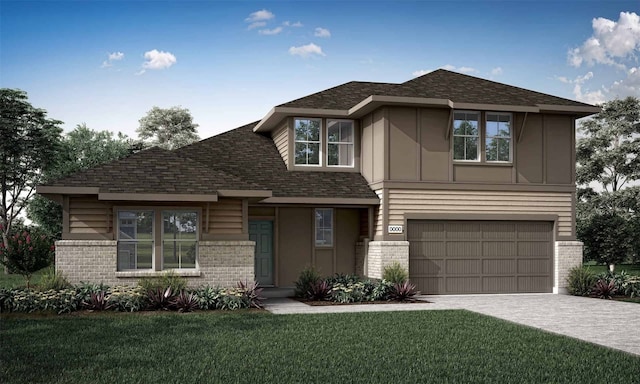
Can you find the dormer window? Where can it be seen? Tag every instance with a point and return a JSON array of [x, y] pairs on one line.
[[307, 141], [340, 143]]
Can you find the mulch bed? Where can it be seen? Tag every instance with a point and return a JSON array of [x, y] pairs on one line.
[[330, 303]]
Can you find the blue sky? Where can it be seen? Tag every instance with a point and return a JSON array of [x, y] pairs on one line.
[[107, 63]]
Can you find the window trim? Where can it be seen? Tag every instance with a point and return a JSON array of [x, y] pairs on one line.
[[315, 228], [478, 158], [482, 136], [510, 138], [352, 143], [157, 258], [320, 144]]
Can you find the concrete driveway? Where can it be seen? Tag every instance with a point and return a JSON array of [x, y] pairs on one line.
[[613, 324]]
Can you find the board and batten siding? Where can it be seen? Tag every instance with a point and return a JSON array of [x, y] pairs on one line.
[[401, 202], [89, 215], [281, 139]]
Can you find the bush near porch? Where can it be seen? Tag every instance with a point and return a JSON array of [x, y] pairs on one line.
[[583, 281]]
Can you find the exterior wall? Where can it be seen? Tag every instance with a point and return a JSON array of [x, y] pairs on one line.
[[567, 254], [383, 253], [88, 216], [280, 138], [379, 229], [296, 247], [221, 263], [414, 144], [402, 202], [361, 257]]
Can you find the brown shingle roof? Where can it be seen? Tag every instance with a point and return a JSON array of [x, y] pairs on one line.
[[155, 170], [439, 84], [254, 156]]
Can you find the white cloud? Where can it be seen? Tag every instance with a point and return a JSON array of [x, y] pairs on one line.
[[629, 86], [453, 68], [273, 31], [297, 24], [612, 42], [111, 57], [257, 24], [496, 71], [590, 97], [157, 60], [448, 67], [322, 32], [261, 15], [306, 50], [421, 72]]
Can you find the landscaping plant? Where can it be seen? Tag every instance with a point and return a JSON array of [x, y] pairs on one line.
[[319, 291], [27, 252], [160, 298], [308, 277], [251, 292], [168, 279], [403, 291], [185, 301], [581, 281], [395, 273], [51, 279], [604, 289]]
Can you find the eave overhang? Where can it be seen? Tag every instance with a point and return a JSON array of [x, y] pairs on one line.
[[371, 103]]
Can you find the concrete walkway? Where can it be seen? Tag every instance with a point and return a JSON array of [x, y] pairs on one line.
[[608, 323]]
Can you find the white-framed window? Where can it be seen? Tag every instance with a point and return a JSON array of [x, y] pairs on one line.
[[135, 239], [340, 143], [498, 137], [324, 227], [466, 136], [308, 144], [179, 239]]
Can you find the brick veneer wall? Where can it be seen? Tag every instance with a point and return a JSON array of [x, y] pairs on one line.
[[567, 254], [383, 253], [221, 263]]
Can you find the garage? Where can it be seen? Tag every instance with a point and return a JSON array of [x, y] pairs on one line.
[[460, 257]]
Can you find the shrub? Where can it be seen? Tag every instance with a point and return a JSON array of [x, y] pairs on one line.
[[208, 297], [185, 302], [127, 298], [160, 298], [251, 292], [84, 290], [27, 252], [6, 300], [53, 280], [321, 290], [98, 301], [395, 273], [344, 279], [604, 289], [619, 279], [581, 281], [63, 301], [308, 277], [348, 293], [232, 300], [381, 290], [630, 288], [403, 291], [169, 279]]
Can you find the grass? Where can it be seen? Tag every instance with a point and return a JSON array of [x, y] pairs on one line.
[[398, 347], [17, 281], [632, 269]]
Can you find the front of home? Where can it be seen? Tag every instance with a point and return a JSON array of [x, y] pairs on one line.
[[468, 183]]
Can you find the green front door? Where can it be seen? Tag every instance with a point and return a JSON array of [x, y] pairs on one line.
[[261, 231]]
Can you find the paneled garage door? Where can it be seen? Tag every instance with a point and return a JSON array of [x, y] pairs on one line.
[[448, 257]]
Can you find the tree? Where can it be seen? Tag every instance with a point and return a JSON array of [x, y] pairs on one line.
[[608, 156], [80, 149], [168, 128], [28, 145], [27, 251]]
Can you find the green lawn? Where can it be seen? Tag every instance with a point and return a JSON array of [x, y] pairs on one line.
[[17, 281], [256, 347], [632, 269]]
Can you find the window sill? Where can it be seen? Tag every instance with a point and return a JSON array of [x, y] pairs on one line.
[[475, 163], [150, 273]]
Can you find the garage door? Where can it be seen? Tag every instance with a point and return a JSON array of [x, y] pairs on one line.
[[448, 257]]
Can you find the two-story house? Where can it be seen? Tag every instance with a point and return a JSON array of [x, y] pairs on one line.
[[468, 183]]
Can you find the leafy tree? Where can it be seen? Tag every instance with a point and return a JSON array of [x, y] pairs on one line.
[[28, 144], [27, 251], [168, 128], [608, 156], [80, 149]]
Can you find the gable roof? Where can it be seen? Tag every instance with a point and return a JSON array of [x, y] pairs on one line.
[[154, 171], [254, 156]]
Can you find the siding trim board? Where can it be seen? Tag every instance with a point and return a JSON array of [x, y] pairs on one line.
[[435, 185]]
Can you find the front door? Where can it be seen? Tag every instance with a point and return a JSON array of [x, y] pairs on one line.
[[261, 231]]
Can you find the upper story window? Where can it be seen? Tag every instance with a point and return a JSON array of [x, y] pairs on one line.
[[489, 142], [307, 141], [340, 143], [498, 137], [466, 134]]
